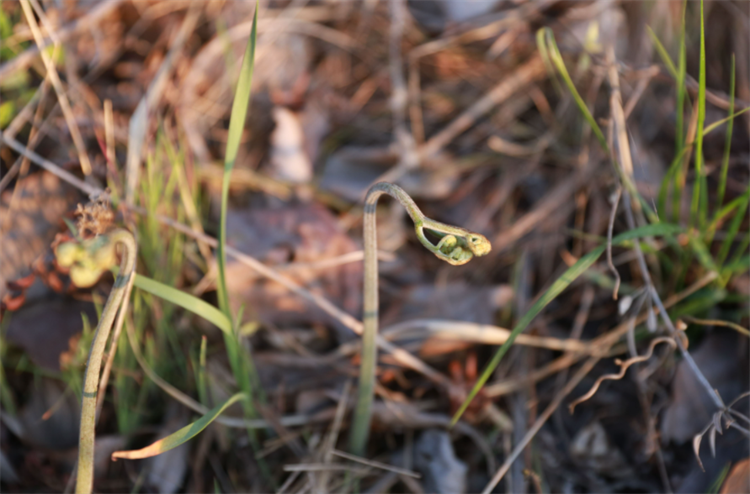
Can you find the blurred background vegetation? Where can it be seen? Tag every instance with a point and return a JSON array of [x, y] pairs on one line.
[[465, 106]]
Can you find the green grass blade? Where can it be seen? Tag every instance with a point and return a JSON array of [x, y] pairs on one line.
[[239, 361], [568, 277], [681, 75], [662, 52], [717, 322], [554, 54], [181, 436], [727, 143], [734, 227], [719, 481], [703, 207], [6, 395], [202, 374], [674, 170], [726, 210], [703, 255], [542, 47], [186, 301], [544, 54], [740, 265], [557, 60], [679, 178], [739, 253], [698, 182], [724, 120], [236, 124]]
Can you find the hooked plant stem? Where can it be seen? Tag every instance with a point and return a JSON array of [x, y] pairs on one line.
[[85, 480], [457, 246]]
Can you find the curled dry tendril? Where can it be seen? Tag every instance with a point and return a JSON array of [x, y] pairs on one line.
[[624, 365]]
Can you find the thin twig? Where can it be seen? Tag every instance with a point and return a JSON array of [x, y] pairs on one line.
[[520, 78], [542, 210], [662, 311], [377, 464], [288, 482], [24, 115], [717, 322], [399, 92], [51, 167], [482, 333], [508, 18], [37, 131], [330, 443], [21, 166], [643, 83], [322, 467], [640, 300]]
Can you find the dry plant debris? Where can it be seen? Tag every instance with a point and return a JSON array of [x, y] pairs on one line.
[[457, 104]]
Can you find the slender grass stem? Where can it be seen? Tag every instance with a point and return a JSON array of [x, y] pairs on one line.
[[85, 480], [698, 184], [234, 134], [680, 138], [727, 143], [662, 311]]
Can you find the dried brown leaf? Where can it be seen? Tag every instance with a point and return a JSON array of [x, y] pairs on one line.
[[696, 449], [738, 479]]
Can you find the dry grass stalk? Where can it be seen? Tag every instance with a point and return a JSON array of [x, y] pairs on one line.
[[377, 464], [70, 118], [22, 163], [109, 133], [520, 78], [36, 134], [623, 146], [93, 16], [329, 445], [138, 126]]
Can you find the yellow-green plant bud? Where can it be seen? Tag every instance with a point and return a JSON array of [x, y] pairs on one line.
[[87, 261], [104, 255], [84, 275], [67, 253]]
